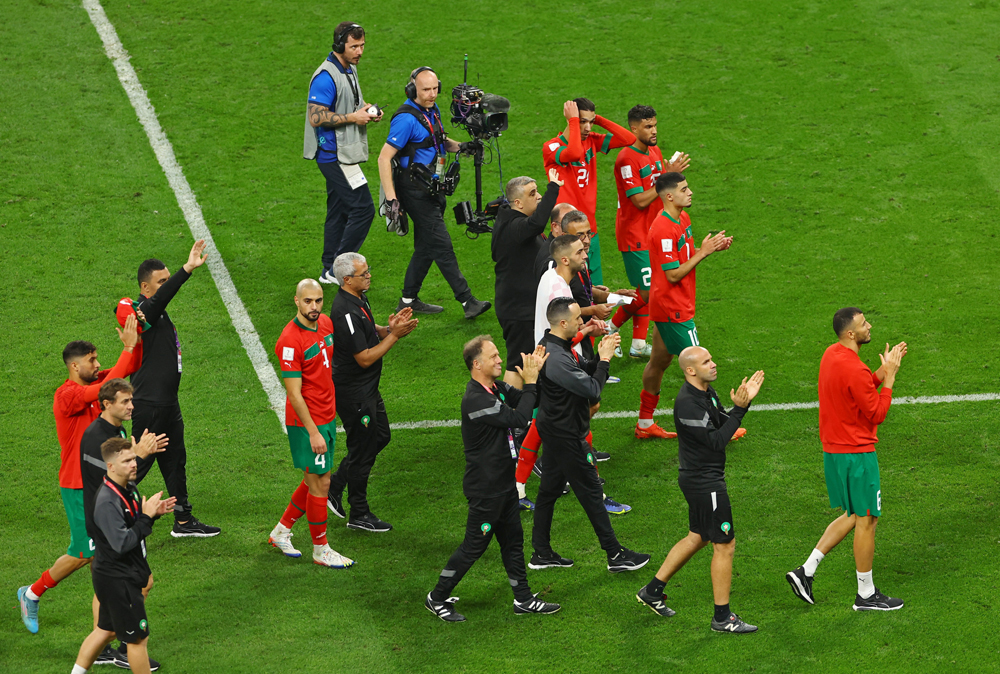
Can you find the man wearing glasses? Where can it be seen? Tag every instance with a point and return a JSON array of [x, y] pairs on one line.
[[358, 347]]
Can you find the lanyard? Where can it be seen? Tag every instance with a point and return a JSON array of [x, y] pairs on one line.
[[430, 124], [587, 287], [510, 433], [131, 506], [354, 86]]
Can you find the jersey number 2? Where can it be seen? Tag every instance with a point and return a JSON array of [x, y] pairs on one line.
[[582, 177]]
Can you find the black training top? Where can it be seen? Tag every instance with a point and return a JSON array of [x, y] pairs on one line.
[[353, 332], [158, 378], [93, 468], [120, 529], [516, 241], [704, 429], [567, 384], [487, 419]]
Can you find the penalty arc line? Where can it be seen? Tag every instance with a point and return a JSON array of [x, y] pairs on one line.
[[189, 206]]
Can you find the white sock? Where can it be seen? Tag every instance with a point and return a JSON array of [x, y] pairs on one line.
[[638, 344], [645, 423], [281, 528], [814, 559], [407, 300], [30, 595], [866, 587], [77, 669], [521, 493]]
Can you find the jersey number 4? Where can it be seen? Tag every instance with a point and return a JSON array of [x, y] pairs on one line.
[[321, 460]]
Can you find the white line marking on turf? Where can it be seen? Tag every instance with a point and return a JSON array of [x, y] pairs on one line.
[[189, 205], [769, 407]]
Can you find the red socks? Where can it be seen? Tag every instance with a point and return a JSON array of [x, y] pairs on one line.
[[640, 326], [637, 307], [42, 584], [647, 404], [528, 455], [316, 516], [297, 507], [590, 438]]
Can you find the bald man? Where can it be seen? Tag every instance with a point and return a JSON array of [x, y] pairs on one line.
[[543, 260], [704, 428], [305, 350]]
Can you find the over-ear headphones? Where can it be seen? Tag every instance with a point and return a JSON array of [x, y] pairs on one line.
[[411, 86], [340, 38]]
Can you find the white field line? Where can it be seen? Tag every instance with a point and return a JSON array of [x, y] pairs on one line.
[[189, 206]]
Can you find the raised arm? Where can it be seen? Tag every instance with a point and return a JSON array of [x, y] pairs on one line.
[[620, 136]]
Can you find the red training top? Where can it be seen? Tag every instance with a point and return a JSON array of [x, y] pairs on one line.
[[850, 404]]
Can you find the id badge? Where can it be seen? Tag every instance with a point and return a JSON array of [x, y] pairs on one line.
[[439, 163], [510, 441]]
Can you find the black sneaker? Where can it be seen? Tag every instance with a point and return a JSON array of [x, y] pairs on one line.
[[120, 658], [877, 602], [420, 307], [108, 656], [601, 456], [657, 605], [626, 560], [733, 624], [336, 505], [193, 528], [475, 308], [553, 561], [802, 585], [368, 522], [535, 605], [445, 610]]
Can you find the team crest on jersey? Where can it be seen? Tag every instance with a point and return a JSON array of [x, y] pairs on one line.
[[485, 528], [142, 624], [366, 420], [726, 526], [590, 458]]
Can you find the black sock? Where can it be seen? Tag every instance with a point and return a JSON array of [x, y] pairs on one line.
[[438, 596], [655, 587], [721, 613], [522, 599]]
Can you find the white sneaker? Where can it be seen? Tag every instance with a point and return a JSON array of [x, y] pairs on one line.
[[618, 349], [327, 277], [645, 352], [281, 538], [327, 556]]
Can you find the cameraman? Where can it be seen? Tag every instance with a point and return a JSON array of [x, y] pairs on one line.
[[416, 136]]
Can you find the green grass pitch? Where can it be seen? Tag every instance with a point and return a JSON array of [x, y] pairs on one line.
[[852, 151]]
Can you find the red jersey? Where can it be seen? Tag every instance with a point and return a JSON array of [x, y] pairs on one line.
[[670, 246], [126, 307], [575, 161], [307, 354], [75, 407], [636, 172], [850, 404]]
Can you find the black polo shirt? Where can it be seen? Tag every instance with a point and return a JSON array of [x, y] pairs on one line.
[[93, 468], [353, 332]]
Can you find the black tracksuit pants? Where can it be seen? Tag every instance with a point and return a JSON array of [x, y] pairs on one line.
[[566, 461], [502, 514], [349, 214], [431, 242], [367, 427], [173, 460]]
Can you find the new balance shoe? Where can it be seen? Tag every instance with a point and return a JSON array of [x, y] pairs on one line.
[[336, 505], [614, 507], [653, 431], [601, 456], [29, 609], [281, 538], [802, 585], [627, 560], [656, 604], [109, 656], [877, 602], [553, 561], [740, 432], [194, 529], [733, 624], [535, 605], [445, 610], [120, 658], [419, 307], [368, 522], [526, 504], [645, 352], [327, 556], [327, 277], [475, 307]]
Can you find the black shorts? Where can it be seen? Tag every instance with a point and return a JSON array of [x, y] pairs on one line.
[[711, 516], [519, 337], [123, 610]]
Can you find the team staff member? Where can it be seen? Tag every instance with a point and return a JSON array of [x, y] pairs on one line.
[[574, 153], [156, 383], [850, 409], [636, 169], [704, 428], [122, 522], [490, 409], [336, 136], [115, 401], [517, 238], [359, 345], [305, 349], [568, 384], [543, 260], [673, 258], [75, 407], [416, 134]]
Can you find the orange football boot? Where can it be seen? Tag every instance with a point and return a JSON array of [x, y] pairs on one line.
[[653, 431]]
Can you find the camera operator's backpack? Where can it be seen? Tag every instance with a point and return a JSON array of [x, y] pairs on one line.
[[410, 149]]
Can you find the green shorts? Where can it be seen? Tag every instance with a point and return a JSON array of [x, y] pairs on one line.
[[303, 457], [81, 545], [594, 261], [853, 483], [637, 268], [678, 336]]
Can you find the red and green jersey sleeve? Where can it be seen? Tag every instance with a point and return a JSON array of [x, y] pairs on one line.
[[580, 181], [670, 246], [635, 172], [306, 354]]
